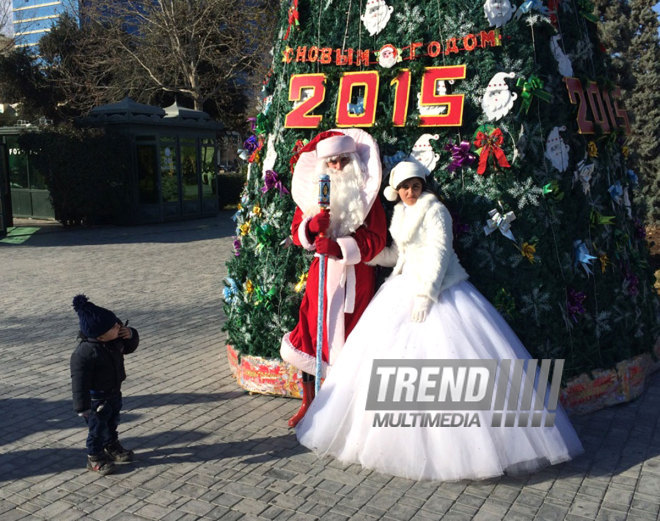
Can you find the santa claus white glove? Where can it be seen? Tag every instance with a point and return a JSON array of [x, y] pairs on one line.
[[421, 308]]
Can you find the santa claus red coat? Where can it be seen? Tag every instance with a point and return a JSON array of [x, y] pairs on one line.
[[350, 283]]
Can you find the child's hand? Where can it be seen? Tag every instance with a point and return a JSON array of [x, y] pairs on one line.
[[125, 332]]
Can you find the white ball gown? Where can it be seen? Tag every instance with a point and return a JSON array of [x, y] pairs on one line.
[[461, 325]]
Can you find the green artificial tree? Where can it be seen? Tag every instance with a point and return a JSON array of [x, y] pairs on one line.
[[516, 115]]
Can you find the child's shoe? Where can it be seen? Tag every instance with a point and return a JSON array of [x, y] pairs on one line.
[[100, 464], [115, 452]]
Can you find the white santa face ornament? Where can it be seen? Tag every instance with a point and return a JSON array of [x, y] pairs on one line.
[[556, 149], [498, 99], [433, 110], [564, 64], [376, 15], [423, 152], [388, 56], [498, 12]]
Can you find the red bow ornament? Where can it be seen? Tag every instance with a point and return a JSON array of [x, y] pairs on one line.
[[294, 18], [490, 143]]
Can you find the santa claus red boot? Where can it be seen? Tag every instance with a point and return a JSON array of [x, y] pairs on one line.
[[307, 397]]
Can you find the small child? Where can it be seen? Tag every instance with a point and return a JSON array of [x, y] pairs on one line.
[[97, 371]]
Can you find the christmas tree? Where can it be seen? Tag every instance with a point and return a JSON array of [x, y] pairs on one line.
[[514, 113]]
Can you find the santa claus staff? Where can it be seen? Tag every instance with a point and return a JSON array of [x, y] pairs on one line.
[[324, 203]]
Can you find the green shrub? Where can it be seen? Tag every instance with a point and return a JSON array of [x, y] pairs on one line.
[[230, 185]]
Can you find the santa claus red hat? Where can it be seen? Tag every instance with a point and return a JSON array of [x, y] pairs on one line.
[[335, 146], [497, 82]]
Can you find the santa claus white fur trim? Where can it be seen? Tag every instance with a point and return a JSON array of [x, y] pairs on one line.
[[300, 360]]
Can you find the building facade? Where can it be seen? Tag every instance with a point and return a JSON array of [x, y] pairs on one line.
[[32, 19]]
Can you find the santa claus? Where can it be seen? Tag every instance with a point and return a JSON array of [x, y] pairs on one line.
[[498, 12], [388, 56], [350, 234], [376, 15], [498, 99], [556, 149]]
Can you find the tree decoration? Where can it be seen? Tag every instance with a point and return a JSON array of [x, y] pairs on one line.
[[230, 291], [505, 303], [237, 246], [583, 172], [592, 149], [604, 261], [489, 144], [271, 154], [582, 256], [574, 303], [461, 157], [498, 12], [596, 218], [302, 282], [553, 6], [500, 222], [293, 18], [530, 88], [262, 298], [423, 152], [564, 64], [556, 149], [272, 180], [498, 99], [616, 192], [376, 15], [388, 56], [437, 109], [248, 287], [630, 283], [586, 8], [532, 5], [528, 250], [552, 191]]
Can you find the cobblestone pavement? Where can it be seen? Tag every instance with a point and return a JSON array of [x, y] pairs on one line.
[[207, 450]]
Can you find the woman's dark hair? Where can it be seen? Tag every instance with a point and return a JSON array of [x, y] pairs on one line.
[[422, 180]]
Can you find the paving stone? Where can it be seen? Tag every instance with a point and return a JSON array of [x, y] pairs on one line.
[[205, 449]]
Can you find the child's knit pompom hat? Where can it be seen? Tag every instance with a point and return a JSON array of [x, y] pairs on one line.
[[94, 320], [402, 171]]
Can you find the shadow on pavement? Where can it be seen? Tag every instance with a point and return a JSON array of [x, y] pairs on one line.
[[28, 463], [23, 417], [53, 234]]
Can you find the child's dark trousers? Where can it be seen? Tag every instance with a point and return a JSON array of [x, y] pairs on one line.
[[103, 421]]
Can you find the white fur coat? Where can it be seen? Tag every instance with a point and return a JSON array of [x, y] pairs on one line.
[[422, 247]]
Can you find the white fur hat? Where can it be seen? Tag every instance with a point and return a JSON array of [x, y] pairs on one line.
[[402, 171], [335, 146]]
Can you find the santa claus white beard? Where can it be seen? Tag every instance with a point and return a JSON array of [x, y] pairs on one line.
[[347, 209], [497, 104], [387, 61]]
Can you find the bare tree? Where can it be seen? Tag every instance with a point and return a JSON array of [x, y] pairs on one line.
[[6, 41], [200, 50]]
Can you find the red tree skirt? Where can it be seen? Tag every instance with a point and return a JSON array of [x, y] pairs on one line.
[[582, 394]]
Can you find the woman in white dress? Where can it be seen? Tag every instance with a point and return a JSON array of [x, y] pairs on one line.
[[426, 310]]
